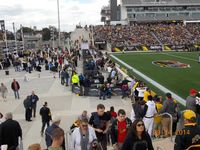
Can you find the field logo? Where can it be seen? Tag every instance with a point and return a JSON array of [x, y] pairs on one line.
[[170, 64]]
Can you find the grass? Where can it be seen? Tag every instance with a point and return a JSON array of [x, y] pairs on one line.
[[178, 80]]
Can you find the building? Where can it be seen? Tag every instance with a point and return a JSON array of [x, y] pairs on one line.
[[30, 42], [160, 10], [110, 13]]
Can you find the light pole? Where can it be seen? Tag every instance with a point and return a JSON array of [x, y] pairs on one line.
[[15, 36], [58, 22]]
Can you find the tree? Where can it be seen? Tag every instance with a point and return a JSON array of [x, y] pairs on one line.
[[26, 30], [46, 34], [10, 36]]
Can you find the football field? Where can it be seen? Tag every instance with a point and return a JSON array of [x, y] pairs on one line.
[[177, 71]]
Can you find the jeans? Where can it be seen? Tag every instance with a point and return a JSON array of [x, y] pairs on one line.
[[102, 94], [43, 126], [16, 94], [124, 93], [34, 109], [102, 139], [67, 81]]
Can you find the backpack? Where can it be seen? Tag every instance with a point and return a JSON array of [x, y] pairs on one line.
[[139, 110]]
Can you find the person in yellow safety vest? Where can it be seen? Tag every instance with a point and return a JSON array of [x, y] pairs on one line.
[[146, 94], [75, 79]]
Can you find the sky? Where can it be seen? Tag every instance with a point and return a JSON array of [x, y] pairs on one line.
[[42, 13]]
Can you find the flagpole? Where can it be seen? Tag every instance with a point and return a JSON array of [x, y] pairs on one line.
[[6, 39], [15, 35], [22, 34]]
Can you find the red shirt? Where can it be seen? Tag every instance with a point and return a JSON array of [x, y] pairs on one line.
[[122, 131], [113, 114]]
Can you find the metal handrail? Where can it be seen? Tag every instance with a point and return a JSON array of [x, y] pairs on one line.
[[170, 124]]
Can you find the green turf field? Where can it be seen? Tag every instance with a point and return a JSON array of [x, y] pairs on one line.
[[179, 80]]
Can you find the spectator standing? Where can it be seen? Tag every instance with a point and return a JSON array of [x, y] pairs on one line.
[[66, 75], [125, 88], [169, 106], [112, 112], [45, 113], [82, 136], [119, 129], [198, 108], [58, 138], [139, 110], [102, 91], [4, 91], [191, 100], [49, 132], [100, 122], [15, 87], [75, 80], [10, 131], [137, 138], [62, 77], [157, 119], [34, 99], [83, 115], [149, 116], [146, 94], [189, 135], [28, 108]]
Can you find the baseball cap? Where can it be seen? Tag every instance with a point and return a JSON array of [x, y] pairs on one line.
[[193, 91], [188, 114]]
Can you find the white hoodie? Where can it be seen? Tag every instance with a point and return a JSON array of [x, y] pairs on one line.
[[151, 111]]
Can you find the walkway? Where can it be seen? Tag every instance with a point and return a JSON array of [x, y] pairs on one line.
[[61, 101]]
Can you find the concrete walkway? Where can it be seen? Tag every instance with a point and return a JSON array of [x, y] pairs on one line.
[[60, 100]]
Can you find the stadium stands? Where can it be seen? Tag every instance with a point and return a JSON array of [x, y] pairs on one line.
[[167, 35]]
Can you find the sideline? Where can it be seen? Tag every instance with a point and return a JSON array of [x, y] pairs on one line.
[[154, 83]]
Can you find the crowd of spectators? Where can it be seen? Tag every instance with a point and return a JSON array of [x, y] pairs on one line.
[[152, 34]]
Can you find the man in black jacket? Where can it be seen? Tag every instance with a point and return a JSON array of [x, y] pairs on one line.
[[27, 106], [190, 135], [10, 131], [119, 129], [46, 116], [34, 99], [100, 121]]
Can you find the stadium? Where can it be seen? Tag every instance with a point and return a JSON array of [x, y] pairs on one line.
[[129, 83], [165, 30]]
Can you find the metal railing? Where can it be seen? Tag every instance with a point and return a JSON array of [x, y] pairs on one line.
[[171, 124]]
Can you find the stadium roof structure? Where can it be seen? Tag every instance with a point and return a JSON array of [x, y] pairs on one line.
[[159, 2]]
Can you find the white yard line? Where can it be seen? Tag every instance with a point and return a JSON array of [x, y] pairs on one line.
[[154, 83], [179, 57]]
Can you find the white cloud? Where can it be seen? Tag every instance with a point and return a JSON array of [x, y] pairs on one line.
[[42, 13]]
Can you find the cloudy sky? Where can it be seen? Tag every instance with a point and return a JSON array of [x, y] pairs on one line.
[[42, 13]]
